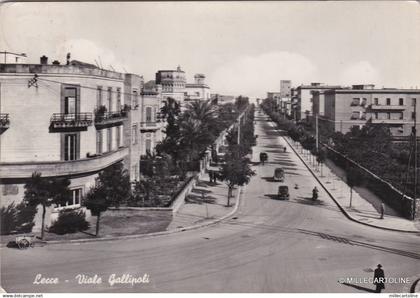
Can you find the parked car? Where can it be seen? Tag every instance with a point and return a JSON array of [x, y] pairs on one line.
[[263, 157], [283, 193], [278, 175]]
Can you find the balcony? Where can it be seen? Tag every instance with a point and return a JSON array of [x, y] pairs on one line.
[[62, 168], [388, 121], [109, 119], [61, 122], [4, 122], [385, 107], [150, 126]]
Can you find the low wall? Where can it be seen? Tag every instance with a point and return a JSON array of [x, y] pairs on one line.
[[383, 189]]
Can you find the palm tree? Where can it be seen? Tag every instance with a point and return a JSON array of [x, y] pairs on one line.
[[202, 110], [194, 137]]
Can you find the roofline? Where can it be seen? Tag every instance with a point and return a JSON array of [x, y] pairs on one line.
[[173, 70], [364, 91]]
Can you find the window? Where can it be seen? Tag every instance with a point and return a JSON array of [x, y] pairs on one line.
[[118, 99], [363, 116], [401, 115], [148, 114], [118, 136], [355, 115], [70, 100], [148, 146], [134, 134], [74, 200], [99, 141], [376, 101], [388, 115], [413, 115], [376, 115], [388, 101], [135, 100], [401, 101], [109, 99], [70, 147], [413, 102], [99, 96], [364, 100], [109, 139], [355, 102]]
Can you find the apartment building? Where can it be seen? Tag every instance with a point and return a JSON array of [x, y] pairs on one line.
[[302, 97], [198, 90], [285, 89], [173, 83], [345, 108], [152, 124], [70, 120]]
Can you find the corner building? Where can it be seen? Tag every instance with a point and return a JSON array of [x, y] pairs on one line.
[[65, 121]]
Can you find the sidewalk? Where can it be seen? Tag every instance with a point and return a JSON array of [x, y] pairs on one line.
[[365, 207], [200, 210]]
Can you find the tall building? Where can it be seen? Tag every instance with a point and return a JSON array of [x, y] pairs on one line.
[[302, 99], [198, 90], [173, 83], [285, 89], [152, 125], [133, 84], [345, 108], [70, 120]]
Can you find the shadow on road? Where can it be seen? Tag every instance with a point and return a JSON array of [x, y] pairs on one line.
[[400, 252], [359, 287]]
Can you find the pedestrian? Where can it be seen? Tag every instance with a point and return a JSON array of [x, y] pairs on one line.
[[379, 279], [382, 210]]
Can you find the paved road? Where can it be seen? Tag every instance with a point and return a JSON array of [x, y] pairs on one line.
[[272, 246]]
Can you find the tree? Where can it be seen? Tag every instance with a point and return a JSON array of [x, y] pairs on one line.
[[112, 187], [46, 192], [354, 178], [321, 157], [142, 189], [235, 172], [96, 201], [115, 182], [194, 138]]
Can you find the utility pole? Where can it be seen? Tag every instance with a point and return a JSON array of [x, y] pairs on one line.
[[239, 131], [415, 159], [316, 132]]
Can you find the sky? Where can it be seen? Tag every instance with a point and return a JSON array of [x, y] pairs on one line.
[[242, 47]]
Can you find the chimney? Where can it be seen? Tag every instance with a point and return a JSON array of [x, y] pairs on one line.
[[68, 59], [44, 60]]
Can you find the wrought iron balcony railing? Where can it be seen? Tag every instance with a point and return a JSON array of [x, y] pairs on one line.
[[4, 120], [150, 126], [69, 121], [107, 119]]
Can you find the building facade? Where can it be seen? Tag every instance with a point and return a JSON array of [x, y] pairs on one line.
[[345, 108], [173, 83], [285, 89], [133, 85], [64, 121], [152, 124], [303, 99], [198, 90]]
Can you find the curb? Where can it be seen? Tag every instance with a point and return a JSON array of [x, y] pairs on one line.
[[194, 227], [338, 204]]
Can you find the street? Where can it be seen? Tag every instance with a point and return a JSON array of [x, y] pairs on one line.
[[267, 246]]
